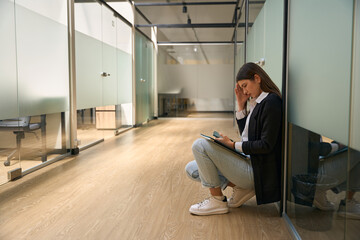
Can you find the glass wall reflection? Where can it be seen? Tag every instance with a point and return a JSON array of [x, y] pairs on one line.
[[323, 177]]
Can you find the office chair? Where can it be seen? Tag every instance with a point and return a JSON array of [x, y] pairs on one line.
[[19, 126]]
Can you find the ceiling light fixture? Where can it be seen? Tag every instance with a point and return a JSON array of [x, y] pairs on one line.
[[184, 9]]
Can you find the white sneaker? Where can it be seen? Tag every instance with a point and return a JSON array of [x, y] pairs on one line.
[[321, 202], [350, 210], [240, 196], [210, 206]]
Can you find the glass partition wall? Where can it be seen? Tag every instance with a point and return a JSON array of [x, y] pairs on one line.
[[322, 154], [323, 118], [144, 64], [103, 71], [195, 78], [322, 97], [34, 79]]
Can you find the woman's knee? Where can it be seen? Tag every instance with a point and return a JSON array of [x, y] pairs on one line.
[[192, 170], [198, 145]]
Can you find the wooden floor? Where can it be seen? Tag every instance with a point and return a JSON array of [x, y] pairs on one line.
[[132, 186]]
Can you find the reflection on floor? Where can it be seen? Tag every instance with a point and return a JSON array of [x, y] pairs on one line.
[[132, 186], [30, 155]]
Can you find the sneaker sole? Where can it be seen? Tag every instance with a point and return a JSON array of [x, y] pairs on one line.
[[242, 200], [213, 212]]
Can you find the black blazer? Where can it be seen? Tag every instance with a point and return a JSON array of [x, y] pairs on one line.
[[264, 147]]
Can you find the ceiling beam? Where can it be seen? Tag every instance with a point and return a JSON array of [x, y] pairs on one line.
[[183, 3], [189, 3], [196, 43], [142, 15], [236, 8], [194, 25], [238, 19]]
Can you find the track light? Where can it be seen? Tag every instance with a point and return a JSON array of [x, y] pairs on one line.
[[184, 9]]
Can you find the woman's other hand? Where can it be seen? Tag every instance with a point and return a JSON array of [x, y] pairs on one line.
[[225, 140]]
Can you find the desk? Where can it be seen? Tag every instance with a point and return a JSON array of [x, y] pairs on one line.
[[168, 102]]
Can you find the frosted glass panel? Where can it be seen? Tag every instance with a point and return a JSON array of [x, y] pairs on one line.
[[124, 61], [150, 56], [123, 37], [274, 11], [88, 19], [179, 78], [355, 104], [55, 10], [239, 57], [319, 73], [110, 82], [88, 68], [43, 73], [197, 85], [144, 78], [108, 27], [259, 40], [125, 9], [139, 118], [265, 39], [88, 43], [215, 82], [250, 46], [8, 81], [124, 77]]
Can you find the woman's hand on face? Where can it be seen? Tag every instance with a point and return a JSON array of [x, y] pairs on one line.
[[240, 96], [225, 140]]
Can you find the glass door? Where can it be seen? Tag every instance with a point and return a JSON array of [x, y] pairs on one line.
[[144, 78], [96, 67], [89, 69], [108, 114]]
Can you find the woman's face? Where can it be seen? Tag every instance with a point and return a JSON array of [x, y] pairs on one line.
[[251, 87]]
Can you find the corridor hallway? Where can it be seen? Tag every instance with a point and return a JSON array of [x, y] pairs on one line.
[[132, 186]]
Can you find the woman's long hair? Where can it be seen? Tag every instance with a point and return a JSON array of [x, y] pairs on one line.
[[248, 70]]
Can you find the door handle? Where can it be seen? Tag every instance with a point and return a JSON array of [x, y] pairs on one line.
[[104, 74], [142, 80]]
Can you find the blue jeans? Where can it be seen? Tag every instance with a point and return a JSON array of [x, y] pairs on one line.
[[215, 166]]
